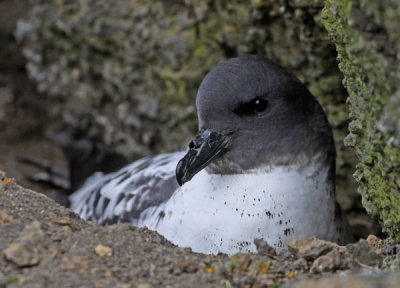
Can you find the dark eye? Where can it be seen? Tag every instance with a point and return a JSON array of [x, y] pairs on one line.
[[260, 104], [252, 107]]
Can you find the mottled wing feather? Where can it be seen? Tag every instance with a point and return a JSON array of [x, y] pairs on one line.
[[122, 196]]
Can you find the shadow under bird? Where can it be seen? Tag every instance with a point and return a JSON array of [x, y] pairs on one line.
[[261, 167]]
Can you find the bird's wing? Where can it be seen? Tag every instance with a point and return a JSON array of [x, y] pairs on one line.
[[123, 195]]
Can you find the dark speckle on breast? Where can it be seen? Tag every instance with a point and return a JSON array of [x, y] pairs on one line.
[[288, 231], [160, 217]]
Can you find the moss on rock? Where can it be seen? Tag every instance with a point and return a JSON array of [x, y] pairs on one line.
[[114, 70], [366, 34]]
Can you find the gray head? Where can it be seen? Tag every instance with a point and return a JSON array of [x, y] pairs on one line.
[[252, 114]]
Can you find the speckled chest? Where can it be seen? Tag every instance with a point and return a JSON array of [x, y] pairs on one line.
[[225, 213]]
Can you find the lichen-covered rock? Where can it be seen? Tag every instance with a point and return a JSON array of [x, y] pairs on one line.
[[367, 38], [326, 263], [310, 248], [125, 74]]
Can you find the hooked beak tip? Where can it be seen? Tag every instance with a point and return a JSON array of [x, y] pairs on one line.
[[202, 150]]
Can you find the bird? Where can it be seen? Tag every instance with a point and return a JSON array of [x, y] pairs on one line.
[[262, 166]]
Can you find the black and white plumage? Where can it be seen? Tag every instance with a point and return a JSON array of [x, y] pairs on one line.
[[123, 195], [262, 166]]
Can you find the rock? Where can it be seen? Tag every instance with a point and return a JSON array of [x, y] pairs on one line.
[[76, 262], [387, 280], [61, 221], [102, 250], [263, 248], [366, 37], [149, 108], [362, 253], [26, 250], [373, 240], [301, 264], [258, 268], [388, 247], [2, 280], [21, 255], [142, 285], [326, 263], [6, 97], [265, 281], [239, 262], [310, 248], [5, 218], [187, 266]]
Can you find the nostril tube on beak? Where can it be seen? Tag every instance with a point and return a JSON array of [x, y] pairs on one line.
[[202, 150], [198, 141]]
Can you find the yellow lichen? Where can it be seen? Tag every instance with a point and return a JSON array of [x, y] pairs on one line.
[[290, 274], [263, 267], [209, 269]]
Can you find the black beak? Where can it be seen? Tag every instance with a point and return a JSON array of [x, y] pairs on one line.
[[202, 150]]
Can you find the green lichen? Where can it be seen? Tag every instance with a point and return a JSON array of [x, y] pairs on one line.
[[13, 279], [368, 61]]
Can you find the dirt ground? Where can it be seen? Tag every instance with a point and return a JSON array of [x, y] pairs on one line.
[[44, 244]]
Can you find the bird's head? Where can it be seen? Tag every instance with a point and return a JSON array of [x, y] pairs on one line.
[[253, 114]]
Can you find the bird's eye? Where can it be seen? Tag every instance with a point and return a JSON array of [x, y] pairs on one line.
[[255, 106], [259, 104]]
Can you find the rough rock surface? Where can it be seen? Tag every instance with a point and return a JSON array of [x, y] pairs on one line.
[[145, 62], [43, 244], [25, 250], [387, 280], [310, 249], [367, 38]]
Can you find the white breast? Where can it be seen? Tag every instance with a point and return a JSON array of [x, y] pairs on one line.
[[225, 213]]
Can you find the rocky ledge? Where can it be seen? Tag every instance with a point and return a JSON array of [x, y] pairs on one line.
[[43, 244]]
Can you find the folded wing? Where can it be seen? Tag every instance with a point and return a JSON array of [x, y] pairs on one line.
[[123, 195]]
